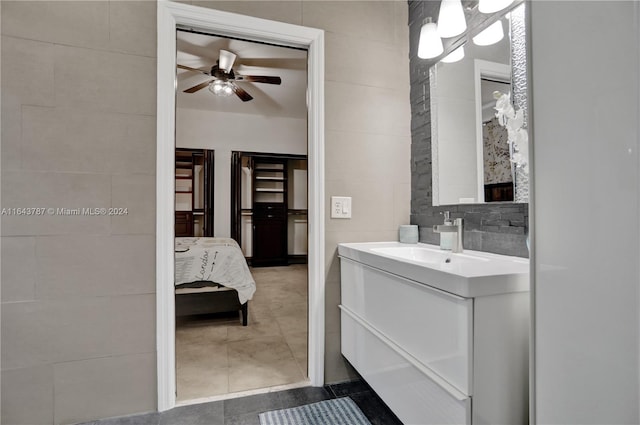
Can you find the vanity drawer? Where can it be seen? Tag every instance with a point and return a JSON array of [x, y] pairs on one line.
[[409, 392], [432, 326]]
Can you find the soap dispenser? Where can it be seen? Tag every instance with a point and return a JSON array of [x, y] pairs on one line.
[[446, 238]]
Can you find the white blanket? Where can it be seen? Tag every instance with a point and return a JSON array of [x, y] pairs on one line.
[[218, 260]]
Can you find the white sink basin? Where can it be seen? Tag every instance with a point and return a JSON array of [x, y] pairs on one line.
[[428, 255], [467, 274]]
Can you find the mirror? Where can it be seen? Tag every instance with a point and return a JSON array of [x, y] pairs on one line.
[[472, 160]]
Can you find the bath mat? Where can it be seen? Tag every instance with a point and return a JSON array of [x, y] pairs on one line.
[[339, 411]]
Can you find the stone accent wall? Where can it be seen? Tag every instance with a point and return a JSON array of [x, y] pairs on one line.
[[498, 228]]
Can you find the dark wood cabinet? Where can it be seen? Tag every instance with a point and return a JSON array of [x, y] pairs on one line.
[[194, 192], [269, 207], [184, 223], [498, 192], [269, 236], [269, 211]]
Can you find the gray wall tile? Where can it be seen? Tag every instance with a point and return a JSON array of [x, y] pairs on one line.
[[27, 396], [104, 387]]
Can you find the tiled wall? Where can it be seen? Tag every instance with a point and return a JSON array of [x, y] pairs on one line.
[[78, 130], [493, 228]]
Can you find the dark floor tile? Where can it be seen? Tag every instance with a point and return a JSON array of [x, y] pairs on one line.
[[245, 410], [197, 414], [252, 404], [250, 419], [146, 419], [299, 396], [374, 409], [350, 387]]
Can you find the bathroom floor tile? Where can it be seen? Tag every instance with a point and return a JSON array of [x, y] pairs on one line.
[[252, 404], [198, 414], [374, 408], [300, 396], [245, 410]]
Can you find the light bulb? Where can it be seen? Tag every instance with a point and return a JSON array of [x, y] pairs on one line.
[[227, 89], [451, 19], [430, 44], [491, 35], [492, 6], [454, 56]]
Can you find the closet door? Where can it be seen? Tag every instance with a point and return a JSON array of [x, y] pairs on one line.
[[236, 196], [209, 178]]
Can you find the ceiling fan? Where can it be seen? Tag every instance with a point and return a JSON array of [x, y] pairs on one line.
[[224, 79]]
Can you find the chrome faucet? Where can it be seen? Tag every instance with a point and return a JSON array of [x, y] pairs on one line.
[[448, 228]]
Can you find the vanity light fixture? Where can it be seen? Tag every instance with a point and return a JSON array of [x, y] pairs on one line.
[[491, 35], [451, 20], [430, 44], [491, 6], [454, 56]]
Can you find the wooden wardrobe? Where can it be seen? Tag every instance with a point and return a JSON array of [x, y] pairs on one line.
[[194, 192], [268, 193]]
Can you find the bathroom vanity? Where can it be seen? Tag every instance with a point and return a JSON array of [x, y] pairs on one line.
[[442, 338]]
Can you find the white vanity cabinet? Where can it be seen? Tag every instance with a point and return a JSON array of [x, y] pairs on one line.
[[433, 356]]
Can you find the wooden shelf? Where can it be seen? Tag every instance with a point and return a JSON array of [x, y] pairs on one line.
[[193, 192], [269, 211], [263, 196], [268, 170]]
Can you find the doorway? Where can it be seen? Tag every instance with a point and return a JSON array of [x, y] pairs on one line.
[[247, 330], [170, 17]]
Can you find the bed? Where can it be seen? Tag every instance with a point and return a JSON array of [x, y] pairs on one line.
[[211, 276]]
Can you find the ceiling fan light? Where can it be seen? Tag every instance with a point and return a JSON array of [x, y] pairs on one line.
[[451, 20], [492, 6], [454, 56], [430, 44], [226, 60], [490, 35], [221, 88]]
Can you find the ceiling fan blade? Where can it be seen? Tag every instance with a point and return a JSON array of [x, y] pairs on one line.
[[198, 87], [259, 79], [188, 68], [226, 60], [286, 63], [239, 91]]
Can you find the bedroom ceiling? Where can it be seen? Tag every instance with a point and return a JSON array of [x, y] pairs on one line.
[[201, 51]]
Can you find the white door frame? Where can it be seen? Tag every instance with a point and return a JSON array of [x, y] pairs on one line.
[[171, 15]]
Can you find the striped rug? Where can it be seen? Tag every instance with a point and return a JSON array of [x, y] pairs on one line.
[[339, 411]]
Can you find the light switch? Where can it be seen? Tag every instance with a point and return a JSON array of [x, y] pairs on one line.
[[340, 207]]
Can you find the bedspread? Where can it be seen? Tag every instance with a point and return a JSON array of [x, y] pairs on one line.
[[218, 260]]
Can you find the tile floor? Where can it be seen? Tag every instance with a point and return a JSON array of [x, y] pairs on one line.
[[216, 355], [245, 410]]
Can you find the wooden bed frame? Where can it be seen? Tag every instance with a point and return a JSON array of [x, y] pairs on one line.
[[218, 301]]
